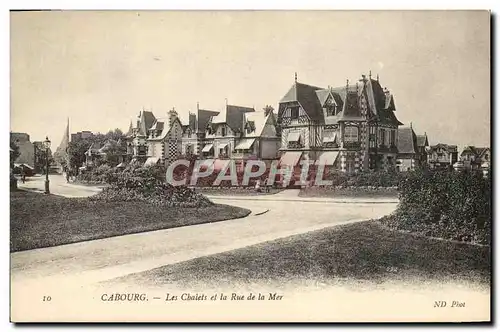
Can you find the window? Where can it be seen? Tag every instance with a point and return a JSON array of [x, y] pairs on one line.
[[331, 108], [294, 112], [392, 138], [351, 134], [223, 131], [382, 136], [486, 157]]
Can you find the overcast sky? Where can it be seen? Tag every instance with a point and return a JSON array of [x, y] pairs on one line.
[[101, 68]]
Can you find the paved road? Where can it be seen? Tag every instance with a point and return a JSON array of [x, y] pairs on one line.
[[58, 186], [88, 263], [280, 215], [70, 274]]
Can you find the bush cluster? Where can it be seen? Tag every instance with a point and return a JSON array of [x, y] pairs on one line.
[[444, 204], [148, 184]]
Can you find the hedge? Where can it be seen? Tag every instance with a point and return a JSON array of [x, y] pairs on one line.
[[445, 204]]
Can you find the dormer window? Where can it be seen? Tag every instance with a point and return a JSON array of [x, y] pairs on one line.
[[331, 108], [223, 131], [294, 112]]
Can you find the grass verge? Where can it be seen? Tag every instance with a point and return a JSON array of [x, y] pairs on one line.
[[360, 252], [38, 220], [332, 192]]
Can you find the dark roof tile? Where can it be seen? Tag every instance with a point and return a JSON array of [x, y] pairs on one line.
[[407, 141]]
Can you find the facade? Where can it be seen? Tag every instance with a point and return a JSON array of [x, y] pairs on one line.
[[224, 130], [473, 157], [237, 133], [422, 147], [26, 149], [353, 128], [81, 135], [154, 140], [259, 139], [441, 156], [136, 136], [164, 139], [411, 149]]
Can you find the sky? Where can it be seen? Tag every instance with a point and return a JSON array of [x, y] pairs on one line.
[[101, 68]]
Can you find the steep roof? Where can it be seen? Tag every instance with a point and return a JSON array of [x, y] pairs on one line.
[[307, 97], [145, 121], [422, 140], [323, 95], [130, 130], [158, 125], [204, 117], [478, 151], [380, 102], [235, 116], [447, 147], [407, 140], [165, 126], [257, 121]]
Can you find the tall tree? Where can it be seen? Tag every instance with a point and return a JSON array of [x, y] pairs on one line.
[[268, 109], [14, 153]]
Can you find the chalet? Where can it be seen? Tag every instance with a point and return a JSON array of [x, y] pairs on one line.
[[164, 139], [194, 133], [408, 157], [411, 149], [224, 130], [351, 127], [442, 156], [259, 139], [136, 137], [422, 146], [473, 157]]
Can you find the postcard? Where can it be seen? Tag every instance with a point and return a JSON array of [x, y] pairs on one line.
[[250, 166]]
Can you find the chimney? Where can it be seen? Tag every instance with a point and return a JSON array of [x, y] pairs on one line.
[[172, 115], [192, 121]]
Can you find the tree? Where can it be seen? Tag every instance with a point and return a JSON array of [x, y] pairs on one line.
[[115, 135], [77, 148], [268, 109], [14, 153], [40, 159]]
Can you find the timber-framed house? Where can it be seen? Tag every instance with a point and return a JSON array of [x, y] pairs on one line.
[[353, 127]]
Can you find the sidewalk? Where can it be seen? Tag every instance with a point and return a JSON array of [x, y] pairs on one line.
[[291, 195]]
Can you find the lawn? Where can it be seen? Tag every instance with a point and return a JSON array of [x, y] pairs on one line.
[[332, 192], [237, 191], [352, 254], [38, 220]]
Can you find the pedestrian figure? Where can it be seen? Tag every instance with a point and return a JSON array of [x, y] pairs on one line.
[[257, 186], [23, 174]]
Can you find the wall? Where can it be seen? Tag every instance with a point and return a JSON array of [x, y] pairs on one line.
[[269, 148], [405, 164]]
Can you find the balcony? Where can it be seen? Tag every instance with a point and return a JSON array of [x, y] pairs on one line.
[[352, 145]]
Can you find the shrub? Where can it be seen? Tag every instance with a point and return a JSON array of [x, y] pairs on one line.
[[148, 184], [451, 205]]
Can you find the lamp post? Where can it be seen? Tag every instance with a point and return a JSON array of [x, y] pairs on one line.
[[46, 145]]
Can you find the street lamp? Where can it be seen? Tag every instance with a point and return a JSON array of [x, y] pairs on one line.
[[46, 145]]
